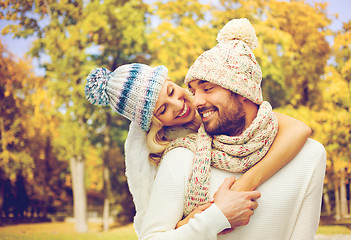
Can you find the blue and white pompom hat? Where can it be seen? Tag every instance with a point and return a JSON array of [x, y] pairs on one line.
[[131, 90]]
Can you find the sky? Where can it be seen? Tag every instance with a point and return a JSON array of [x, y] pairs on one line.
[[340, 7]]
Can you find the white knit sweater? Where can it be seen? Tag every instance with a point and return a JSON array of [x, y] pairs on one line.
[[289, 207]]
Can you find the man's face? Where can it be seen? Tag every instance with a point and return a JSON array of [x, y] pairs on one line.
[[221, 110]]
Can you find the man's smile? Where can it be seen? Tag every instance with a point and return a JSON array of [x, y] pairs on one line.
[[206, 115]]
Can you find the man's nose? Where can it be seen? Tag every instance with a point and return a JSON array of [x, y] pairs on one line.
[[199, 100]]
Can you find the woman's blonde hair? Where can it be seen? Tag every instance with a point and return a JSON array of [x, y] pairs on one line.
[[156, 140]]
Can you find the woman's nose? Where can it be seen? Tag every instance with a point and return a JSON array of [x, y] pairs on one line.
[[177, 99], [177, 103]]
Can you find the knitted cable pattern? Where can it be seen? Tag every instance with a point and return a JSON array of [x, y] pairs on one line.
[[230, 153]]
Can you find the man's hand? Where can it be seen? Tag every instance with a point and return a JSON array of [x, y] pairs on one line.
[[237, 207]]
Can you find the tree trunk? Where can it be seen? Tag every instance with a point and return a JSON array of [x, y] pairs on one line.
[[343, 195], [337, 201], [79, 195], [106, 214], [106, 174], [326, 201]]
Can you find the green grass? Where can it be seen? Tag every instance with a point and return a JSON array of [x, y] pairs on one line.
[[61, 236], [64, 231], [332, 230]]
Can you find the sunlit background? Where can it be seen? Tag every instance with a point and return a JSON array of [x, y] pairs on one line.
[[62, 159]]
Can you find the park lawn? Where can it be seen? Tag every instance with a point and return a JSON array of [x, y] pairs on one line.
[[65, 231], [332, 230]]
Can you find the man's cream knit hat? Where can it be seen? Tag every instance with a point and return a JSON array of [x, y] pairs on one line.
[[231, 63]]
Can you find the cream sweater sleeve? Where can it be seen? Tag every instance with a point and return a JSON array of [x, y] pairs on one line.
[[166, 204], [139, 172]]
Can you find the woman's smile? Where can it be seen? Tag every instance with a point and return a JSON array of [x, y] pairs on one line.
[[185, 111]]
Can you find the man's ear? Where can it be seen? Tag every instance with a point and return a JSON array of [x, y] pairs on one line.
[[242, 99], [245, 101]]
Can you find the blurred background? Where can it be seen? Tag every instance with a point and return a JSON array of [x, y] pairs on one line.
[[62, 159]]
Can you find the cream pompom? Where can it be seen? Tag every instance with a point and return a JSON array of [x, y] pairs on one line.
[[239, 29]]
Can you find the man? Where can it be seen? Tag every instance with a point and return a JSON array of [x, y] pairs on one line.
[[225, 82]]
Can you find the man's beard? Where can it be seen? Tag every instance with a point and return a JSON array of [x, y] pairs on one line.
[[231, 120]]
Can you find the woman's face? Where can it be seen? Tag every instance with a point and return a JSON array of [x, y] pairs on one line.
[[173, 106]]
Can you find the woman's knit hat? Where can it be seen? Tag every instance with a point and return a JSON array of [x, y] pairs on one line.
[[231, 63], [131, 90]]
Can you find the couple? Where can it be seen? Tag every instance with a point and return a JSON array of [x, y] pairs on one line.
[[237, 147]]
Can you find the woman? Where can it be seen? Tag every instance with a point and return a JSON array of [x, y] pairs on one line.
[[161, 111]]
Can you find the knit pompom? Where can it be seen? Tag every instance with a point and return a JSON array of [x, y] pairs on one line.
[[239, 29], [95, 88]]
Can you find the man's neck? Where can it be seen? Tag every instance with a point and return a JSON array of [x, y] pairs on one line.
[[251, 112]]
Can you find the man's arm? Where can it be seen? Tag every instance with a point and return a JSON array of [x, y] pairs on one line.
[[167, 202]]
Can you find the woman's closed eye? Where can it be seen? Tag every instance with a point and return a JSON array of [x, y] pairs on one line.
[[162, 110]]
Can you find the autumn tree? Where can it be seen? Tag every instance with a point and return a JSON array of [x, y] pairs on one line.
[[118, 29], [305, 56], [331, 123], [76, 37], [293, 49], [182, 34], [60, 39], [16, 84], [27, 131], [337, 103]]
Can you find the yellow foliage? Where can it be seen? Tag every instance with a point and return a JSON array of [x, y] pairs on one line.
[[94, 169]]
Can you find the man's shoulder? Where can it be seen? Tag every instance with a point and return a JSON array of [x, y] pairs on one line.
[[313, 153], [313, 146]]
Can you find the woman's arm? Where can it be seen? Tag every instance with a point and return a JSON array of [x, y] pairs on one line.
[[166, 204], [291, 137], [139, 172], [197, 210]]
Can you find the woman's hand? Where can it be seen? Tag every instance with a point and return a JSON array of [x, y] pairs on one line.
[[199, 209]]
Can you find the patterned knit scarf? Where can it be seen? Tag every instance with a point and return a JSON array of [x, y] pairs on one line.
[[230, 153]]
